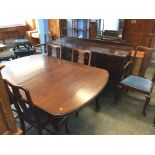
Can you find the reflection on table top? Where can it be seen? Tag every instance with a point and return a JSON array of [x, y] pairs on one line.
[[56, 86]]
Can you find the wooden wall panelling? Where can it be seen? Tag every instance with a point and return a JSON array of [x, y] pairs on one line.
[[54, 27], [139, 32], [11, 32], [63, 27], [92, 30], [31, 24], [7, 121]]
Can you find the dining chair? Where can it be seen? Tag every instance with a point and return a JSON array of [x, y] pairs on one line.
[[54, 51], [81, 56], [137, 82], [28, 112]]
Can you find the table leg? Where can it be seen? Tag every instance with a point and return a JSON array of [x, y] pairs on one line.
[[59, 124]]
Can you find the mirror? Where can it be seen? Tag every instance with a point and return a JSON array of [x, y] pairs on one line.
[[109, 28]]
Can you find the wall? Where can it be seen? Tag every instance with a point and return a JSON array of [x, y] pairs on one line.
[[31, 23], [69, 27], [10, 32], [54, 27]]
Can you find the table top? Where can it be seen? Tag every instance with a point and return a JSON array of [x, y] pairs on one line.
[[113, 48], [56, 86]]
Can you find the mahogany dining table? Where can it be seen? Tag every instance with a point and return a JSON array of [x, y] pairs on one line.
[[57, 86]]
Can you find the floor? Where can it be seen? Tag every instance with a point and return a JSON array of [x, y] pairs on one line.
[[123, 118]]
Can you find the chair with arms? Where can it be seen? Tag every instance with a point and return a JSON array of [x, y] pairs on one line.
[[21, 99], [34, 39], [136, 80]]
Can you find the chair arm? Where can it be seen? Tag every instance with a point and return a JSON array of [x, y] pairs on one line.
[[38, 45], [126, 69], [127, 65]]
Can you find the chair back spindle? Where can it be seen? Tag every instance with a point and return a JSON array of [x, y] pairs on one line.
[[22, 101], [81, 56], [54, 51], [141, 60]]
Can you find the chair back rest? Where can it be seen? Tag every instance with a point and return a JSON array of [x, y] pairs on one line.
[[21, 99], [141, 58], [81, 56], [54, 50]]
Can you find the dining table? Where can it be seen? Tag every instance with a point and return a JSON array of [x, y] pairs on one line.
[[57, 86]]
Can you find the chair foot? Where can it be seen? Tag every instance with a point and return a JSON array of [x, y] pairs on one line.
[[145, 105], [60, 125], [22, 124], [66, 128]]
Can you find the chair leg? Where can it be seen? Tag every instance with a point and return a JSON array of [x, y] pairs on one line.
[[22, 125], [145, 105], [66, 128], [39, 130], [59, 126]]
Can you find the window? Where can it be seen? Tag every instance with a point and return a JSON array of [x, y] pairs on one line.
[[9, 22]]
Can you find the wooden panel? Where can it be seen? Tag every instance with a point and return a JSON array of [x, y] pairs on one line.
[[63, 27], [31, 23], [92, 30], [54, 27], [7, 121], [10, 32], [3, 126], [139, 32]]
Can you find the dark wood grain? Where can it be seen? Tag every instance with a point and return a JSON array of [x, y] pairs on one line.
[[139, 32], [57, 86], [7, 121]]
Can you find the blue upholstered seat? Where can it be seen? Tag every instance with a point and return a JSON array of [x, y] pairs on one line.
[[138, 83]]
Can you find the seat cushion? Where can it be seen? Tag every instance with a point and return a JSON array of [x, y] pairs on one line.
[[138, 83]]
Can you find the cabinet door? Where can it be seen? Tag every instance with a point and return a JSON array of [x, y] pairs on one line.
[[139, 32], [63, 27], [92, 30]]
